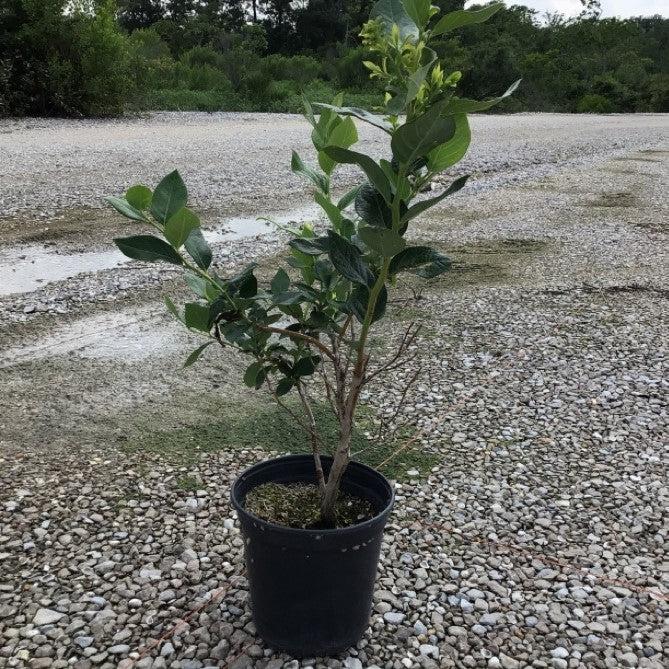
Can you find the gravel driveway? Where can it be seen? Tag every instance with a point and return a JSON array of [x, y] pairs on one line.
[[531, 523]]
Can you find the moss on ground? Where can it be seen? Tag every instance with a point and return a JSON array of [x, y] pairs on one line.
[[622, 199], [263, 425]]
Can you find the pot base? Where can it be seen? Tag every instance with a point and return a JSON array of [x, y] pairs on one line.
[[311, 590]]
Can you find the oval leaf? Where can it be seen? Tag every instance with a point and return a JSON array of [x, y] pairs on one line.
[[125, 208], [347, 259], [139, 197], [196, 316], [196, 354], [170, 196], [199, 250], [417, 257], [465, 17], [385, 242], [149, 248], [417, 138], [179, 227], [392, 12]]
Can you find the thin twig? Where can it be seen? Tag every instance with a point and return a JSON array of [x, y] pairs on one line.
[[387, 421], [408, 338], [294, 334], [313, 434]]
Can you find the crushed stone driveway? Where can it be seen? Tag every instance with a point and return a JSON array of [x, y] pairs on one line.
[[532, 528]]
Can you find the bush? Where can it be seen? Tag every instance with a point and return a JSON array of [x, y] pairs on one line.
[[202, 55], [74, 64], [300, 69], [659, 93], [594, 103], [184, 100], [349, 70]]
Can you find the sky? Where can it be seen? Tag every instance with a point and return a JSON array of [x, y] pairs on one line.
[[620, 8]]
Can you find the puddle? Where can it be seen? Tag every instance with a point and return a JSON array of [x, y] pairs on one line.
[[27, 268], [110, 336]]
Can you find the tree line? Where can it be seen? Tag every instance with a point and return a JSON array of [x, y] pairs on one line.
[[102, 57]]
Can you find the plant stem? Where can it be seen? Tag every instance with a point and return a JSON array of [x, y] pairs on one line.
[[348, 406]]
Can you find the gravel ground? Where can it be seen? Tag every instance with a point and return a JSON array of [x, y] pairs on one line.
[[537, 537]]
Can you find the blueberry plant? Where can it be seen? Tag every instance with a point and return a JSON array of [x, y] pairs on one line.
[[308, 330]]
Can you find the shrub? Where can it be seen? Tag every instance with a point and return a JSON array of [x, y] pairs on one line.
[[316, 315], [72, 64], [592, 103], [185, 100], [301, 69], [349, 69]]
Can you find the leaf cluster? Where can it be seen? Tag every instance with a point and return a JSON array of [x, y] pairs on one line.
[[335, 284]]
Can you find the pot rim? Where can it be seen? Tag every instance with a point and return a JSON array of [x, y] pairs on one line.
[[299, 531]]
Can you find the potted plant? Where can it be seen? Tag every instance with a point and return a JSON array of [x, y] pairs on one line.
[[313, 523]]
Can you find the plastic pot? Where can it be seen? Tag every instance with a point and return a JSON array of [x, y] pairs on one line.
[[311, 590]]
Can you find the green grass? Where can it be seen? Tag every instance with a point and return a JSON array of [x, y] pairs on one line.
[[188, 483], [265, 426]]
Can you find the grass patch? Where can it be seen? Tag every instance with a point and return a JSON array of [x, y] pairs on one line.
[[188, 483], [265, 426], [622, 199], [501, 246]]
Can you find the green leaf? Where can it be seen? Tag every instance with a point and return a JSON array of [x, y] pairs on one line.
[[418, 11], [251, 374], [319, 180], [196, 354], [329, 208], [139, 197], [125, 208], [392, 12], [385, 242], [149, 248], [308, 110], [170, 196], [347, 259], [417, 138], [245, 283], [466, 106], [305, 366], [312, 247], [171, 307], [372, 208], [362, 114], [420, 256], [373, 171], [344, 134], [197, 284], [359, 300], [423, 205], [348, 198], [416, 79], [284, 386], [464, 17], [196, 316], [280, 282], [179, 227], [199, 250], [448, 154]]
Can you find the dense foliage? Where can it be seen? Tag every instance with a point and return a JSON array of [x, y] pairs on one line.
[[260, 54], [307, 330]]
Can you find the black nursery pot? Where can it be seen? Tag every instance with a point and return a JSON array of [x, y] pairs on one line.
[[311, 590]]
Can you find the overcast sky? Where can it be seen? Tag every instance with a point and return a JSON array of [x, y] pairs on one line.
[[619, 8]]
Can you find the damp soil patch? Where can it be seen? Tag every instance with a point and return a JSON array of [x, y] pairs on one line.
[[298, 505], [619, 199]]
